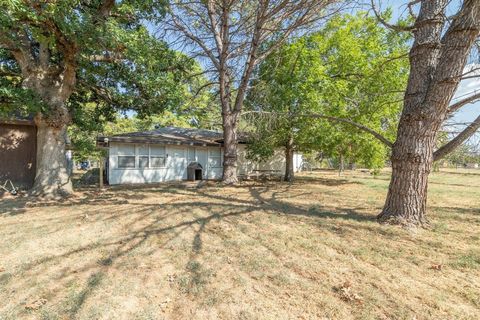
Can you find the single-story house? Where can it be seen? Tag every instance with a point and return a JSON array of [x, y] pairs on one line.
[[18, 151], [172, 154]]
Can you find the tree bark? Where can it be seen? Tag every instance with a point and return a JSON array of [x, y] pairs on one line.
[[412, 160], [230, 149], [436, 66], [52, 178], [340, 164], [289, 170]]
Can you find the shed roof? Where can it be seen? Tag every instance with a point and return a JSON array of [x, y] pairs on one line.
[[168, 135]]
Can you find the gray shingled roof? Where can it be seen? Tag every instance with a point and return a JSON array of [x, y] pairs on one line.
[[170, 135]]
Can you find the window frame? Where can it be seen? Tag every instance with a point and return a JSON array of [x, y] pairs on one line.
[[138, 155], [164, 156], [219, 157], [126, 167]]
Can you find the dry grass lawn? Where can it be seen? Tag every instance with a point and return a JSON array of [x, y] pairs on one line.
[[309, 250]]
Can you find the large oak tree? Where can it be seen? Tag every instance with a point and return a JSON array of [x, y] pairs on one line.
[[58, 56]]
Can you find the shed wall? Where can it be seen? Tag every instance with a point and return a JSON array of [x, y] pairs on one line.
[[18, 149]]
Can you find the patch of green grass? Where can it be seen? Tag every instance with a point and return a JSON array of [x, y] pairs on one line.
[[470, 260], [196, 278]]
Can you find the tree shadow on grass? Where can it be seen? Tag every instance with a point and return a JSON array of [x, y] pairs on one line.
[[148, 220], [272, 203], [19, 205]]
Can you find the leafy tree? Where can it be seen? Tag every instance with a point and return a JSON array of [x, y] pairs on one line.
[[231, 37], [56, 57], [196, 108], [310, 92]]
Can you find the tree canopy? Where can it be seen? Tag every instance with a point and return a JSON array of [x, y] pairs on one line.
[[353, 69], [56, 57]]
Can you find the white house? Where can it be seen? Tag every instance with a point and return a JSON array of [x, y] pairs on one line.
[[170, 154]]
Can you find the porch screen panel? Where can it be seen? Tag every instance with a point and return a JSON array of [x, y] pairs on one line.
[[215, 158], [126, 156], [143, 156], [157, 156]]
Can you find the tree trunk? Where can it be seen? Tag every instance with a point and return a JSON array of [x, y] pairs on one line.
[[436, 64], [52, 178], [412, 161], [289, 170], [230, 149], [340, 165]]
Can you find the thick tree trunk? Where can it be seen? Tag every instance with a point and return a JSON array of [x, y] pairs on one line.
[[436, 65], [230, 149], [52, 178], [289, 170], [412, 161]]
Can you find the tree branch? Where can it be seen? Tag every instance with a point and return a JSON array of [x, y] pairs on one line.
[[456, 106], [374, 133], [458, 140], [389, 25]]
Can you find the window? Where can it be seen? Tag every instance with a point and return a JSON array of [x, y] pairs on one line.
[[126, 161], [191, 155], [143, 161], [142, 156], [215, 158], [143, 152], [142, 149], [157, 162], [126, 150], [157, 156], [126, 156]]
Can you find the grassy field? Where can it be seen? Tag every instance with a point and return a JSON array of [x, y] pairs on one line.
[[307, 250]]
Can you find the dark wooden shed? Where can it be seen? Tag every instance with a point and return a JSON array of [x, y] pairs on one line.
[[18, 148]]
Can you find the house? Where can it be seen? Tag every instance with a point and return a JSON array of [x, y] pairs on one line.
[[172, 154], [18, 147]]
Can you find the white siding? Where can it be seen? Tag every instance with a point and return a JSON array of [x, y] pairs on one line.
[[276, 162], [177, 159]]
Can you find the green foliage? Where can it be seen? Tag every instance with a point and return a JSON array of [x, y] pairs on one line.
[[352, 69], [119, 65]]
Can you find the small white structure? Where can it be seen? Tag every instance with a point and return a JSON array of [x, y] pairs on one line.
[[174, 154]]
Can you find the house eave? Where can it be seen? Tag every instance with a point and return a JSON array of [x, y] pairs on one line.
[[105, 141]]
